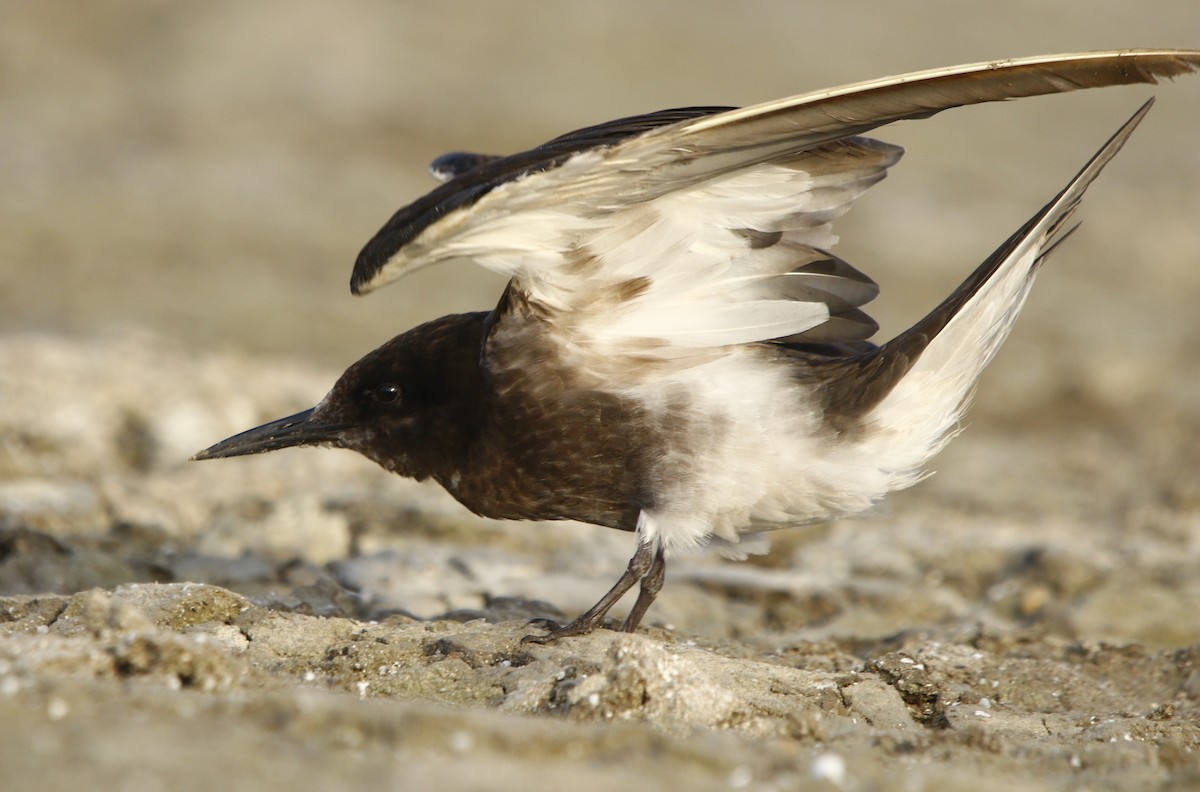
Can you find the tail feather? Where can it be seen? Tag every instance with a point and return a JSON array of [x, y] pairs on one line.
[[912, 391]]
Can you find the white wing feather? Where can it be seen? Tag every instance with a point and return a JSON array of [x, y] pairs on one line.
[[659, 236], [702, 281]]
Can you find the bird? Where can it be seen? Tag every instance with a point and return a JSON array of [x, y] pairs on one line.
[[677, 353]]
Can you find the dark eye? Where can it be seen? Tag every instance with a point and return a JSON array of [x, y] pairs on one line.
[[387, 393]]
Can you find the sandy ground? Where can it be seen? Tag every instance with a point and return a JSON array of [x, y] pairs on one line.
[[184, 191]]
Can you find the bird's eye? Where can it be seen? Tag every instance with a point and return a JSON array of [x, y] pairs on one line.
[[388, 393]]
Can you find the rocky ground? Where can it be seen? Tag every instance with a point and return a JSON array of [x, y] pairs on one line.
[[303, 621]]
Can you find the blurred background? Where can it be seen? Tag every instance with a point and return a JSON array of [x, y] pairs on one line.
[[209, 170]]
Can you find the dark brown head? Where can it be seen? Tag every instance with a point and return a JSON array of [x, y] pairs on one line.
[[412, 405]]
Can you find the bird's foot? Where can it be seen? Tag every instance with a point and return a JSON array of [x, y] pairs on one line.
[[581, 626], [648, 565]]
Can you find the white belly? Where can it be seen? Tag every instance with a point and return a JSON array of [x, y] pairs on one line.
[[749, 451]]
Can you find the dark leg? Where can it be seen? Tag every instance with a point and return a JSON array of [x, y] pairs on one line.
[[642, 563], [652, 583]]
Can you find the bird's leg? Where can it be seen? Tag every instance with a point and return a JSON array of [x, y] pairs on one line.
[[640, 567], [652, 583]]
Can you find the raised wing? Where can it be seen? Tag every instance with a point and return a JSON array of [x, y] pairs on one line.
[[706, 226]]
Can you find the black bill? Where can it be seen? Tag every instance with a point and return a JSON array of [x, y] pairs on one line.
[[300, 429]]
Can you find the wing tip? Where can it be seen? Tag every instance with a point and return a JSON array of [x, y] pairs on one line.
[[366, 273], [1088, 173]]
